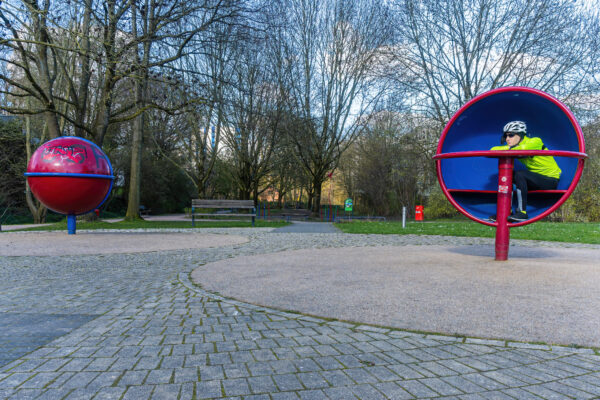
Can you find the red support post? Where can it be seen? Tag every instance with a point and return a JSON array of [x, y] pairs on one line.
[[503, 206]]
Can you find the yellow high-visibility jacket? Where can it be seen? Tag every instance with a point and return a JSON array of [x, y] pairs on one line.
[[543, 165]]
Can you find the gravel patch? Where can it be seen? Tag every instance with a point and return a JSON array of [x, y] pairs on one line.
[[108, 242], [540, 294]]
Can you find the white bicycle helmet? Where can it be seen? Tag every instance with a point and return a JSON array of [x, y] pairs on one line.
[[517, 127]]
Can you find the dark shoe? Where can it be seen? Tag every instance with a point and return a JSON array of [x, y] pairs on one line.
[[518, 216], [492, 218]]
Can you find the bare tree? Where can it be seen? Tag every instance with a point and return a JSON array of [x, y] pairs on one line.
[[67, 59], [30, 68], [287, 173], [163, 31], [448, 51], [387, 168], [74, 62], [255, 115], [61, 61], [207, 73], [331, 47], [37, 209]]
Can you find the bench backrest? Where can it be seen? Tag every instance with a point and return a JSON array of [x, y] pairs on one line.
[[202, 203]]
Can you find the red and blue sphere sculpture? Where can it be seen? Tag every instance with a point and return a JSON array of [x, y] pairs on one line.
[[70, 175]]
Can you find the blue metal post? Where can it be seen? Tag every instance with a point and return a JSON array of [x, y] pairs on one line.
[[71, 224]]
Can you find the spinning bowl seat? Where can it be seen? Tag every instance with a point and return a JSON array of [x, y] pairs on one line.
[[468, 172]]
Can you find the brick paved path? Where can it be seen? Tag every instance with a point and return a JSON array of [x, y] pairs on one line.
[[155, 335]]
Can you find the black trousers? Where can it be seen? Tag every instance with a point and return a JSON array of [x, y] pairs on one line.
[[526, 180]]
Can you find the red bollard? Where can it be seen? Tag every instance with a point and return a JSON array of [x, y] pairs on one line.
[[418, 213]]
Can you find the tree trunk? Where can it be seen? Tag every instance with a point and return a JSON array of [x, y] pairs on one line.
[[46, 82], [280, 196], [245, 194], [317, 183], [52, 124], [201, 190], [37, 209], [141, 86], [299, 200], [135, 176], [85, 60], [255, 193]]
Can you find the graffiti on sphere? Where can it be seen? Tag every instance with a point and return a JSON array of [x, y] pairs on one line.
[[73, 154]]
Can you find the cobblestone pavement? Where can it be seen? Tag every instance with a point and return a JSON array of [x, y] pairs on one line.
[[158, 336]]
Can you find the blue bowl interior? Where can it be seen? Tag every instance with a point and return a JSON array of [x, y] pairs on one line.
[[479, 127]]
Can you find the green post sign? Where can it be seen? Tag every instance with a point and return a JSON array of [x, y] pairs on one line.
[[348, 205]]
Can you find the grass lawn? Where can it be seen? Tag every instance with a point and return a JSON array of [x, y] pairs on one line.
[[62, 225], [550, 231]]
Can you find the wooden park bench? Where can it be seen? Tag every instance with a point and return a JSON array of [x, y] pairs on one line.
[[295, 213], [222, 205]]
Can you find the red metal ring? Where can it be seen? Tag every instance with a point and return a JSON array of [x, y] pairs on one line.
[[516, 153]]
